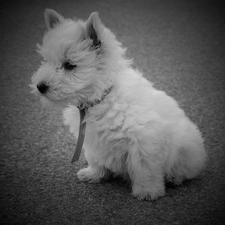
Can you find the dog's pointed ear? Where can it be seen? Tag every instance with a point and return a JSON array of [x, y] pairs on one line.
[[94, 26], [52, 18]]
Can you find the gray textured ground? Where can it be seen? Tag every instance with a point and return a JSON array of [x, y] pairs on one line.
[[179, 45]]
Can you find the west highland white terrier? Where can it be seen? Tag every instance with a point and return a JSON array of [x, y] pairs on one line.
[[132, 129]]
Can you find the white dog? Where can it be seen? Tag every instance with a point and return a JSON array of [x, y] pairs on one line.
[[132, 129]]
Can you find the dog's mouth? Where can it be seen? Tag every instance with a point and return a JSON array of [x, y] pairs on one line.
[[49, 100]]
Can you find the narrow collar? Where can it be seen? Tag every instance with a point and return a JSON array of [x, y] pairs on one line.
[[82, 108], [89, 104]]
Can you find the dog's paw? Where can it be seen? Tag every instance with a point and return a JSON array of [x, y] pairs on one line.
[[146, 193], [88, 174], [176, 181]]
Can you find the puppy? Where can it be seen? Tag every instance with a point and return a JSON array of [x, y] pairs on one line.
[[132, 129]]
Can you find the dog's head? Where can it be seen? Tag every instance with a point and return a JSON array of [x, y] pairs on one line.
[[79, 60]]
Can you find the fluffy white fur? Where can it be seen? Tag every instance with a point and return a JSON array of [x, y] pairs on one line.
[[136, 131]]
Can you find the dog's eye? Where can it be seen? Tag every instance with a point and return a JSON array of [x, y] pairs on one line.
[[69, 66]]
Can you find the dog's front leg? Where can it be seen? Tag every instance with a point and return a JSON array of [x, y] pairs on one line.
[[146, 174], [94, 172]]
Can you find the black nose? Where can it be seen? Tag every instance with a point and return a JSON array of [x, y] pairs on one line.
[[42, 87]]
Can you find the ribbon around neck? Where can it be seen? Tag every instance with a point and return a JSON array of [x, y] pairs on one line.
[[82, 108], [81, 136]]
